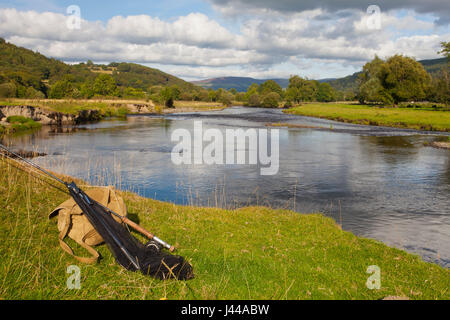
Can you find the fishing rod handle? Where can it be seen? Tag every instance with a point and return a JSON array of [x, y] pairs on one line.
[[147, 233]]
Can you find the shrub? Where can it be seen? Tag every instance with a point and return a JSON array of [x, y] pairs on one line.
[[20, 123], [8, 90], [271, 100], [254, 100], [34, 94]]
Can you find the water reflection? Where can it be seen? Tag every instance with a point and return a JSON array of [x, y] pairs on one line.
[[381, 184]]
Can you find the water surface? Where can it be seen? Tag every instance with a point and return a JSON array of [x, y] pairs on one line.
[[381, 183]]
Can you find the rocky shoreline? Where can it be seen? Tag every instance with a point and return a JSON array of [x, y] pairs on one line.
[[441, 145], [47, 117], [23, 154]]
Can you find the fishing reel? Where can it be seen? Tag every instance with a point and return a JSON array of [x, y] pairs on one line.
[[154, 246]]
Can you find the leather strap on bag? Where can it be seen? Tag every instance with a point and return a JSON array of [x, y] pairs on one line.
[[90, 260]]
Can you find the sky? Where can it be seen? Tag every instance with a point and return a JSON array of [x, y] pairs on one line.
[[200, 39]]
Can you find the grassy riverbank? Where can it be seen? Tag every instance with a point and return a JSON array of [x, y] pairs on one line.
[[391, 117], [110, 108], [251, 253]]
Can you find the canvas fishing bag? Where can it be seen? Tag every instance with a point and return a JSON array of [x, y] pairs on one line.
[[73, 223]]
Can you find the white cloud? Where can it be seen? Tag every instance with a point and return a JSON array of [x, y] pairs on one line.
[[439, 8], [195, 45]]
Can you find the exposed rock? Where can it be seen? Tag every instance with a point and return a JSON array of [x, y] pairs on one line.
[[87, 116], [24, 154], [139, 108], [37, 114], [441, 145], [47, 117]]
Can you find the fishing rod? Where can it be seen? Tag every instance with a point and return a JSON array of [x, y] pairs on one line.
[[85, 203], [70, 188]]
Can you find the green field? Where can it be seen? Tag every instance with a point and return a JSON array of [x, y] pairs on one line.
[[373, 115], [251, 253]]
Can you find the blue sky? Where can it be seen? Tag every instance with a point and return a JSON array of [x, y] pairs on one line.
[[104, 10], [196, 39]]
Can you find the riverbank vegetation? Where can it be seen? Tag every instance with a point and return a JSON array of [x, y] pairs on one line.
[[419, 119], [111, 89], [17, 124], [398, 79], [25, 74], [20, 123], [249, 253]]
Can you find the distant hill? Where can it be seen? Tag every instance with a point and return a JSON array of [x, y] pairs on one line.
[[343, 84], [239, 83], [26, 68]]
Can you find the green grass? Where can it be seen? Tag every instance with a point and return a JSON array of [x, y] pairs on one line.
[[250, 253], [20, 123], [372, 115], [107, 108]]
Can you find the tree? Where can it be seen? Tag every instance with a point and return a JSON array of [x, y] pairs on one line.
[[226, 98], [440, 87], [240, 96], [8, 90], [270, 86], [167, 95], [253, 89], [254, 100], [370, 87], [300, 89], [61, 89], [32, 93], [404, 79], [87, 90], [271, 100], [445, 49], [397, 79], [105, 85], [325, 93], [373, 92], [212, 95]]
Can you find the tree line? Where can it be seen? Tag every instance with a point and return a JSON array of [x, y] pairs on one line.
[[26, 74]]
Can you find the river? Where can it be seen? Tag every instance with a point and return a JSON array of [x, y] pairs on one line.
[[380, 183]]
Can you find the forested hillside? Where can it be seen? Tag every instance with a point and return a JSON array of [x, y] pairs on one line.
[[28, 74], [345, 84]]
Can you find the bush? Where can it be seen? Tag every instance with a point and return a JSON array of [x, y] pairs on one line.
[[20, 123], [288, 104], [61, 89], [133, 93], [8, 90], [226, 99], [254, 100], [32, 93], [271, 100]]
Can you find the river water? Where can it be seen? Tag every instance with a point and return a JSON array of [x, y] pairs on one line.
[[380, 183]]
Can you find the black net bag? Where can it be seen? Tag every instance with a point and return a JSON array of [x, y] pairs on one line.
[[129, 252]]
